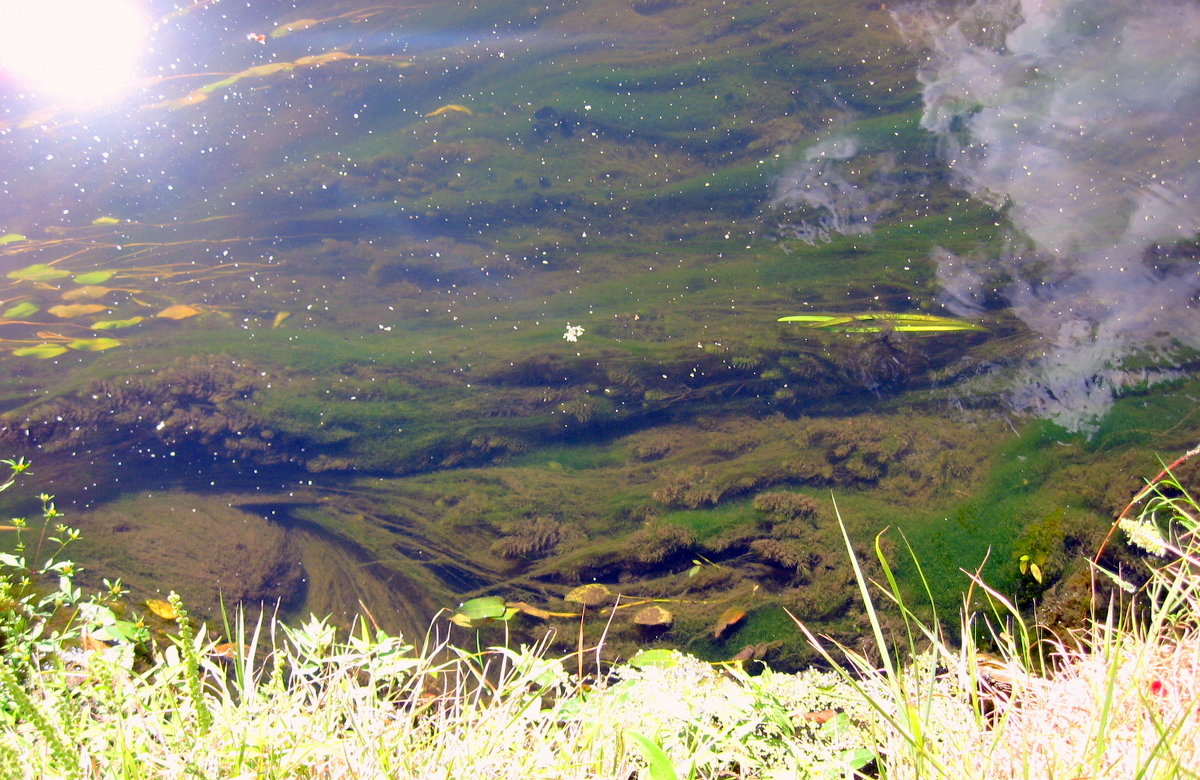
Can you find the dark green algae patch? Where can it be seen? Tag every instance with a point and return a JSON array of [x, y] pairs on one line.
[[417, 431]]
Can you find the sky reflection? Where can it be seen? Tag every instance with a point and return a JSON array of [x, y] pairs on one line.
[[1079, 119]]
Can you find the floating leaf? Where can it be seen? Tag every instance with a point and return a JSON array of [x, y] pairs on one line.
[[279, 318], [106, 221], [213, 87], [291, 27], [865, 322], [69, 310], [21, 310], [179, 311], [476, 612], [114, 324], [448, 108], [94, 345], [729, 617], [589, 595], [41, 351], [162, 608], [660, 657], [89, 293], [653, 615], [268, 69], [93, 277], [38, 272], [11, 238]]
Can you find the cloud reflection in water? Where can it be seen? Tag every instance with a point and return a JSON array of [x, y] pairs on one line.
[[1079, 117]]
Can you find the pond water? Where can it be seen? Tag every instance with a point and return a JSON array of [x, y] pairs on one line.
[[349, 307]]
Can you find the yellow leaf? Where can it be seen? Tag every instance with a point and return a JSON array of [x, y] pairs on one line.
[[69, 310], [162, 608], [89, 293], [179, 311], [291, 27], [279, 318], [450, 107], [268, 69], [106, 221]]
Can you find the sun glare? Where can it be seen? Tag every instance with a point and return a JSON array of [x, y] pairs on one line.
[[77, 51]]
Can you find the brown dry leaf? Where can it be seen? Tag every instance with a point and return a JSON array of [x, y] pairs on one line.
[[162, 608], [653, 615], [821, 716], [179, 311], [589, 595], [229, 650], [69, 310], [729, 617]]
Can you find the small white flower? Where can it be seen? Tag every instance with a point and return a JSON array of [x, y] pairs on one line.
[[573, 332]]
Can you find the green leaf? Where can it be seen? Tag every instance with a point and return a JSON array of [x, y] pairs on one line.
[[11, 238], [863, 322], [1036, 571], [112, 324], [476, 612], [855, 758], [657, 760], [660, 657], [94, 345], [23, 309], [106, 221], [93, 277], [38, 272], [41, 351]]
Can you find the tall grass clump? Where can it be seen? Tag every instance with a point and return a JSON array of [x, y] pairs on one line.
[[1117, 698], [88, 691]]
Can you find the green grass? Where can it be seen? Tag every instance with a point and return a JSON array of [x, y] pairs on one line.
[[307, 700]]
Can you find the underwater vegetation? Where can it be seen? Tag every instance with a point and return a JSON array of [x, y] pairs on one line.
[[503, 300]]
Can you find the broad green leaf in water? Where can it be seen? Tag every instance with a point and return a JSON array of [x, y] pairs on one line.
[[11, 238], [94, 345], [478, 611], [660, 657], [114, 324], [106, 221], [93, 277], [38, 272], [41, 351], [23, 309]]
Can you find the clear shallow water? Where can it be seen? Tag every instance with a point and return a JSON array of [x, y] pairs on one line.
[[484, 299]]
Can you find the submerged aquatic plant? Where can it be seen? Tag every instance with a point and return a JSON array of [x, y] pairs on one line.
[[876, 322]]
